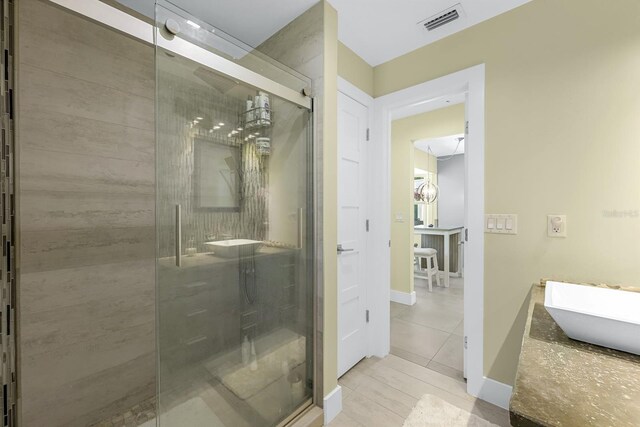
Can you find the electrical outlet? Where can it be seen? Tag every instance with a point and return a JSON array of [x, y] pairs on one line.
[[557, 225]]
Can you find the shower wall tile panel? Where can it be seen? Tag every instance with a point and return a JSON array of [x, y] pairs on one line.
[[300, 46], [86, 289]]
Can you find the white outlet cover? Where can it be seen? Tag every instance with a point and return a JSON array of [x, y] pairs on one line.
[[557, 228]]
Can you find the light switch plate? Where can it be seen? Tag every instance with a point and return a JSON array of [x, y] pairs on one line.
[[501, 223]]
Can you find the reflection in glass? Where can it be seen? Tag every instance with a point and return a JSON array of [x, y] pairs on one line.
[[235, 318]]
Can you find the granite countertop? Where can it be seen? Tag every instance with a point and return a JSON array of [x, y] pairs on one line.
[[423, 228], [562, 382]]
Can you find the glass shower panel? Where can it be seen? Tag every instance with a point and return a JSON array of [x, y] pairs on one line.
[[234, 256]]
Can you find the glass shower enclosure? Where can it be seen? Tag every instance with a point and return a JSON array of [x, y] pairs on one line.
[[234, 275]]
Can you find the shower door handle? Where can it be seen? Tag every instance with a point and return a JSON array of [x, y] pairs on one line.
[[178, 235]]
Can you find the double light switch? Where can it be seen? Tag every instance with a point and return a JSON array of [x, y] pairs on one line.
[[501, 223]]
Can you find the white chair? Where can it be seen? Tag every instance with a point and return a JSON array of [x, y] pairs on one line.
[[431, 257]]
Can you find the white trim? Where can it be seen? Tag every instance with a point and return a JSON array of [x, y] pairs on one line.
[[356, 93], [405, 298], [332, 404], [410, 101], [496, 392], [121, 21]]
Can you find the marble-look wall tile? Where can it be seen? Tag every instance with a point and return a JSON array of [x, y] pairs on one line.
[[87, 209], [54, 249], [53, 131], [49, 210], [46, 90], [56, 38], [69, 287], [92, 398], [62, 365], [56, 171]]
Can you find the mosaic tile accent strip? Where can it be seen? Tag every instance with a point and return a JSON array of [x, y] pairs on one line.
[[133, 417], [7, 208]]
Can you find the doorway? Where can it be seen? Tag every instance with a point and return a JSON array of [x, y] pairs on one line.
[[407, 102], [427, 168]]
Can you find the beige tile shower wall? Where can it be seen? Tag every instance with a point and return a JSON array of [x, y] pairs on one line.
[[309, 45], [86, 170], [299, 46]]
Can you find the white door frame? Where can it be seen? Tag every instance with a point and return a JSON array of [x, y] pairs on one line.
[[408, 102], [363, 98]]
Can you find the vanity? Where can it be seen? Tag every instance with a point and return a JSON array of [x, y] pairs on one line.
[[563, 382], [211, 302]]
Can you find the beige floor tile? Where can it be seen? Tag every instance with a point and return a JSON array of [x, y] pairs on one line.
[[398, 309], [416, 339], [451, 353], [459, 330], [450, 372], [429, 376], [389, 397], [351, 378], [344, 420], [369, 413], [388, 387], [406, 355], [441, 318], [346, 391]]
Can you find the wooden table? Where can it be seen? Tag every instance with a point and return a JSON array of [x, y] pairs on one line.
[[447, 232]]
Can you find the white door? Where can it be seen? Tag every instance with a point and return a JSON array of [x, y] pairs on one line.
[[352, 228]]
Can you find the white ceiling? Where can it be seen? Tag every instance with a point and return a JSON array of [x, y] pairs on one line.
[[380, 30], [250, 21], [377, 30], [445, 146]]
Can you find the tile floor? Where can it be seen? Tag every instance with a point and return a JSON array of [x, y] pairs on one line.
[[426, 357], [382, 392], [430, 332]]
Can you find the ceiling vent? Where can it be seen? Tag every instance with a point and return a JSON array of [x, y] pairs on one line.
[[442, 18]]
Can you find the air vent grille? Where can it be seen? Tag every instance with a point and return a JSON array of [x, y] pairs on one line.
[[443, 17], [441, 20]]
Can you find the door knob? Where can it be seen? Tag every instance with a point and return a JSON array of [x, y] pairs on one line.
[[341, 249]]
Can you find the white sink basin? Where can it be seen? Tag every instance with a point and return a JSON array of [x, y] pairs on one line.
[[605, 317], [234, 247]]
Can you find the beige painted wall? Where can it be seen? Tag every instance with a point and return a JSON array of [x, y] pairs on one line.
[[434, 124], [330, 198], [354, 69], [562, 134]]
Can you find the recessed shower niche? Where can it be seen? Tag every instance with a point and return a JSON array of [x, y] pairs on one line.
[[235, 238]]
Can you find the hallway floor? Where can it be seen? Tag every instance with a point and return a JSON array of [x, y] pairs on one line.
[[430, 333], [426, 358], [382, 392]]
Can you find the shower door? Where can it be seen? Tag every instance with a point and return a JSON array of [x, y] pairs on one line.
[[234, 231]]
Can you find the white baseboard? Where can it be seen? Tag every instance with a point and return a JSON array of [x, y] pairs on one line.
[[332, 404], [495, 392], [405, 298]]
